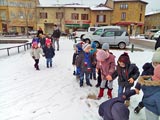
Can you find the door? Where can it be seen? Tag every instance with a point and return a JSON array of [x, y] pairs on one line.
[[109, 37]]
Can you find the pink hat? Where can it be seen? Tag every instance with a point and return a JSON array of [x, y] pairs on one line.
[[156, 75], [102, 55], [48, 41]]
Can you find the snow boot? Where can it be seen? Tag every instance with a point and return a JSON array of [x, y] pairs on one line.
[[37, 67], [138, 108], [109, 93], [100, 93]]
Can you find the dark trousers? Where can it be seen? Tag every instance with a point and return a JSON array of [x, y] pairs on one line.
[[36, 63]]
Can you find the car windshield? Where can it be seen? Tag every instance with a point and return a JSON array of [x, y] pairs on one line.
[[98, 32]]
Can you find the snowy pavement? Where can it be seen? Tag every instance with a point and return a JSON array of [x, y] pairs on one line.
[[53, 93]]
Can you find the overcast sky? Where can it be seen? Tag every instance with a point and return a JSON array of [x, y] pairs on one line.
[[152, 4]]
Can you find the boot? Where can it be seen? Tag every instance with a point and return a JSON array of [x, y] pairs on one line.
[[50, 64], [139, 107], [100, 93], [109, 93], [37, 67], [47, 65]]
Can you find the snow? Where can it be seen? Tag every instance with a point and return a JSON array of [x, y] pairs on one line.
[[54, 93]]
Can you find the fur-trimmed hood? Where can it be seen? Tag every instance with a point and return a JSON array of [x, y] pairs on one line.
[[146, 80]]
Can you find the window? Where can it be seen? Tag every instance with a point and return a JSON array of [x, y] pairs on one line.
[[43, 15], [123, 16], [74, 16], [108, 34], [84, 16], [59, 15], [101, 18], [124, 6], [98, 32], [118, 33], [140, 17]]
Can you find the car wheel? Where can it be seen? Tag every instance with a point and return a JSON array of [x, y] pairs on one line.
[[122, 45]]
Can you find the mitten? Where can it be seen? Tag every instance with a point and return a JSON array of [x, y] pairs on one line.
[[33, 57], [129, 93]]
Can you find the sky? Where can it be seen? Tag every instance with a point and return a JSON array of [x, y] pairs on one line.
[[54, 93], [152, 4]]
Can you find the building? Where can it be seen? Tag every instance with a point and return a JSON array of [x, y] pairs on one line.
[[21, 16], [152, 20], [129, 14], [17, 15]]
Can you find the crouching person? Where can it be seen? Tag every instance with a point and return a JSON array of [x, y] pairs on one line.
[[115, 109]]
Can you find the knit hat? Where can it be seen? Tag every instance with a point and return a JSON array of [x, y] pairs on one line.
[[156, 56], [101, 55], [93, 45], [124, 58], [156, 75], [48, 41], [86, 46], [105, 46]]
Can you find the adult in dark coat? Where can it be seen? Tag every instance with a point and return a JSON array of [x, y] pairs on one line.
[[157, 43], [55, 36], [40, 31], [114, 109]]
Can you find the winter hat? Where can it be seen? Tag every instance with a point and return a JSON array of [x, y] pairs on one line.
[[94, 48], [48, 41], [86, 46], [101, 55], [156, 56], [124, 58], [156, 75], [93, 45], [105, 46], [119, 111]]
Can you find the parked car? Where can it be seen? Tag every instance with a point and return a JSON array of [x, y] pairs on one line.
[[149, 34], [156, 35], [99, 31], [32, 32], [79, 33], [117, 37]]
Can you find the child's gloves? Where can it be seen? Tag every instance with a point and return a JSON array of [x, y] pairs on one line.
[[33, 57]]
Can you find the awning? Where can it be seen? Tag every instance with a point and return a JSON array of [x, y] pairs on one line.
[[77, 25]]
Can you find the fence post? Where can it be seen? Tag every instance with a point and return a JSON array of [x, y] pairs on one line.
[[24, 48], [132, 49], [8, 51], [18, 49]]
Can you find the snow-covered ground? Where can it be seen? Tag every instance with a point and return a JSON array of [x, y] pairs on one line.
[[54, 93]]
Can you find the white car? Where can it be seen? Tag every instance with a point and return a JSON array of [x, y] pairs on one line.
[[156, 35], [117, 37]]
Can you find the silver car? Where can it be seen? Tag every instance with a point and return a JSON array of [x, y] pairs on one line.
[[117, 37]]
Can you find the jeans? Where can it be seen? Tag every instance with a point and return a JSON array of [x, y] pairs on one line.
[[93, 73], [49, 62], [150, 115], [121, 90], [57, 41], [82, 78]]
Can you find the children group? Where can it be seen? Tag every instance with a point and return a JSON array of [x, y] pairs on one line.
[[89, 61]]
